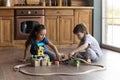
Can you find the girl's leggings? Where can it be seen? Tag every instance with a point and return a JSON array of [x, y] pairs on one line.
[[51, 54]]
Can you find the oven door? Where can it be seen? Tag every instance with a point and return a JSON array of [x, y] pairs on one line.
[[25, 24]]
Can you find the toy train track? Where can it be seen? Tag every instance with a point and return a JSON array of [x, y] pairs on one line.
[[19, 68]]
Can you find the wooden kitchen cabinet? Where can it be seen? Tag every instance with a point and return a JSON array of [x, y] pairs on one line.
[[66, 29], [6, 29], [83, 16], [60, 19], [52, 23], [59, 26]]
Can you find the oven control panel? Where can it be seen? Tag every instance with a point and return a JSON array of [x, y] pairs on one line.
[[29, 12]]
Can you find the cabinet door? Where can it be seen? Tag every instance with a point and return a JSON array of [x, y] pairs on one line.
[[66, 29], [52, 26], [6, 31], [84, 16]]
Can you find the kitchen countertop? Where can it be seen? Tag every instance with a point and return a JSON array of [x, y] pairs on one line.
[[48, 7]]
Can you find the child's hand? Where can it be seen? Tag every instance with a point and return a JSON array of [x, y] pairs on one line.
[[60, 56], [57, 57], [71, 54]]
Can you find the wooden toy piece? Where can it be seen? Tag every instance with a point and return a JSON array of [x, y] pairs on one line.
[[53, 62], [49, 63], [44, 62], [48, 60], [41, 51], [35, 62], [57, 63]]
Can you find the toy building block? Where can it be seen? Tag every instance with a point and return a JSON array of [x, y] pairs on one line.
[[53, 62], [35, 62], [49, 63], [48, 60], [57, 63], [44, 62]]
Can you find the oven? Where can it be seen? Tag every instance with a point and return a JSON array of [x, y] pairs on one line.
[[25, 20]]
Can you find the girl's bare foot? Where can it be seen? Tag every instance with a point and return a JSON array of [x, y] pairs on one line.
[[22, 60]]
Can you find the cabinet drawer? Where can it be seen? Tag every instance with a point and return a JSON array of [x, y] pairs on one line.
[[6, 13], [58, 12]]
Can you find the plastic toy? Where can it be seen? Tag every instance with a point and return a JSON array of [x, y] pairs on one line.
[[40, 51], [72, 61], [75, 61]]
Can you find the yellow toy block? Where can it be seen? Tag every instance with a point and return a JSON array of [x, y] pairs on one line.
[[41, 51]]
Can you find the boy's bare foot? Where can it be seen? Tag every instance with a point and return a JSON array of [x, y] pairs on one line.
[[89, 61]]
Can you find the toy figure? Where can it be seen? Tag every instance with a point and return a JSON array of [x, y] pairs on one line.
[[40, 51]]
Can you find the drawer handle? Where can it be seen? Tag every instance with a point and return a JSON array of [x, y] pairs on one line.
[[57, 12]]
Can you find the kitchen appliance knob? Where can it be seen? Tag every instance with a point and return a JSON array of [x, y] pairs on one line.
[[35, 12], [29, 12]]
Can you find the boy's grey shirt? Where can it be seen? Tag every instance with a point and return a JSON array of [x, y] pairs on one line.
[[93, 44]]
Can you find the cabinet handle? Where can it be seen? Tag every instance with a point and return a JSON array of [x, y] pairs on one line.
[[57, 12]]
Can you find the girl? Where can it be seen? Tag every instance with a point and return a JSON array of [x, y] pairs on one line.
[[88, 47], [37, 38]]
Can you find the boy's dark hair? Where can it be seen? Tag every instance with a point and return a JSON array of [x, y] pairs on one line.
[[37, 28], [80, 28]]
